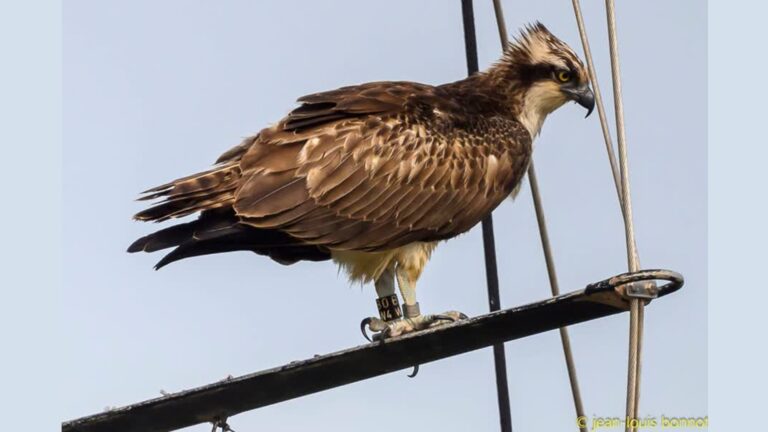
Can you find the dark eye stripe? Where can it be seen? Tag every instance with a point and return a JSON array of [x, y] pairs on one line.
[[535, 72], [539, 72]]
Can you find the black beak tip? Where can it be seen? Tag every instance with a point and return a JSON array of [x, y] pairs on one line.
[[584, 97], [587, 100]]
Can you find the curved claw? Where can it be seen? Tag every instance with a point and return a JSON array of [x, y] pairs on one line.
[[415, 372], [363, 324]]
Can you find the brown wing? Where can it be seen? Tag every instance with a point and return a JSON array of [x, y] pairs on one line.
[[377, 166]]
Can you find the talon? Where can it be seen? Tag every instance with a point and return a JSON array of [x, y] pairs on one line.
[[390, 329], [377, 326], [363, 324], [415, 372]]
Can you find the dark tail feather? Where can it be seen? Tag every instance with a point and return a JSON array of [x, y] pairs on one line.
[[209, 224], [194, 249], [221, 231], [163, 239]]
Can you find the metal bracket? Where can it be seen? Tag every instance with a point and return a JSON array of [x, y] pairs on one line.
[[640, 284]]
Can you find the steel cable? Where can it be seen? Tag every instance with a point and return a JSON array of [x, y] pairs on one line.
[[546, 246]]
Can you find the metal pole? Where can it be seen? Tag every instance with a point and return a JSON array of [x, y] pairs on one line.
[[489, 247]]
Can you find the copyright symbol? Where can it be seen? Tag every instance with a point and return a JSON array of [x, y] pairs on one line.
[[581, 421]]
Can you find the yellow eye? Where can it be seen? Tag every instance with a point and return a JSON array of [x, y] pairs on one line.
[[564, 76]]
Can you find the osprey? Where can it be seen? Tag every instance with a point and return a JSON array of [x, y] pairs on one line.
[[373, 176]]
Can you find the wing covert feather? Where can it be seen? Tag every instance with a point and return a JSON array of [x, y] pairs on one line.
[[377, 176]]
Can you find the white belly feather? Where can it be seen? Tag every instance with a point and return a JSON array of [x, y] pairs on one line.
[[368, 266]]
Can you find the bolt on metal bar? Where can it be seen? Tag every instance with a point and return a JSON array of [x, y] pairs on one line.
[[489, 246], [545, 244], [636, 304]]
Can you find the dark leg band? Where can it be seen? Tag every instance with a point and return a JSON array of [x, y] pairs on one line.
[[411, 311], [389, 307]]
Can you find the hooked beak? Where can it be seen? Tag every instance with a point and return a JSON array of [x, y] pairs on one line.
[[583, 96]]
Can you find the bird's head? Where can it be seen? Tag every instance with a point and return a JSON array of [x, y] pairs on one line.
[[542, 73]]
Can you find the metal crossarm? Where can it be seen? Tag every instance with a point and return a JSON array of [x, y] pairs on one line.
[[223, 399]]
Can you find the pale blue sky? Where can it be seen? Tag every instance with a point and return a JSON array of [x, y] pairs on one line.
[[156, 90]]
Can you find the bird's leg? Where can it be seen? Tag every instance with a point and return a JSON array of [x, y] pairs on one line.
[[387, 303], [392, 323], [407, 275]]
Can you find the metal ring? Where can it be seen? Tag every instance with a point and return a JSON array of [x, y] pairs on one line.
[[674, 280], [411, 311]]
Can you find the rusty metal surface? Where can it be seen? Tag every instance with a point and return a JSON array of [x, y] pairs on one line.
[[227, 398]]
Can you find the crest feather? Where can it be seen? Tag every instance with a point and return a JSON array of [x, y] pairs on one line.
[[533, 42], [536, 45]]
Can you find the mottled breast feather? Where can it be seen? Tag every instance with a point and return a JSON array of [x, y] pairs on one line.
[[381, 165]]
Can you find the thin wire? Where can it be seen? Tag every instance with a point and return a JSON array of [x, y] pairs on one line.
[[555, 287], [639, 349], [501, 24], [636, 304], [601, 109], [545, 244], [633, 369], [636, 334], [598, 100], [489, 246], [622, 141]]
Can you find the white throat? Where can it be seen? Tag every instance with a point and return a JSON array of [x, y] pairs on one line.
[[532, 120], [539, 101]]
